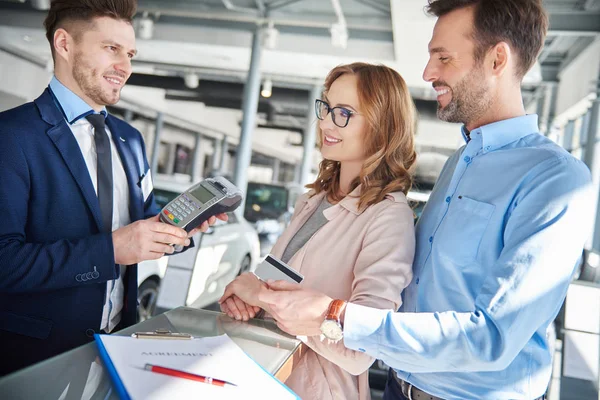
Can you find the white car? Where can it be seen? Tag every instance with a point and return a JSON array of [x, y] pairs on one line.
[[225, 251]]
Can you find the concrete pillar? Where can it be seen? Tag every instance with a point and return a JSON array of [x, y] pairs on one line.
[[223, 156], [585, 126], [568, 133], [197, 164], [214, 165], [310, 134], [276, 167], [549, 107], [249, 108], [297, 172]]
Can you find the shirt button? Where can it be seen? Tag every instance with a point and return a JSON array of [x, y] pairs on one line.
[[487, 148], [417, 281], [430, 239], [467, 159], [448, 199]]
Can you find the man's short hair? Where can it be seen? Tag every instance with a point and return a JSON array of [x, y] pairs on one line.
[[523, 24], [65, 13]]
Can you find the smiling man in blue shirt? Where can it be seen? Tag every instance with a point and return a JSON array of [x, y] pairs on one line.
[[498, 241]]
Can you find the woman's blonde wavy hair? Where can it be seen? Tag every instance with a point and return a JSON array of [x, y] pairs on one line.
[[391, 121]]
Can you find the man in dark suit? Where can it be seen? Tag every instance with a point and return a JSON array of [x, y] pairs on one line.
[[76, 194]]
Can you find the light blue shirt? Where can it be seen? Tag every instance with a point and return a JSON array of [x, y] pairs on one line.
[[497, 244], [72, 106]]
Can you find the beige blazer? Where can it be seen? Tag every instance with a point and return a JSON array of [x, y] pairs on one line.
[[362, 257]]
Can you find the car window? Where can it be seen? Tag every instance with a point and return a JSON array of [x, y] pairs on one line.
[[265, 202], [417, 207], [163, 197]]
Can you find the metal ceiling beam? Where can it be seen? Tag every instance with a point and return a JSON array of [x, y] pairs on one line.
[[315, 20], [24, 56], [581, 23], [553, 64], [230, 6], [552, 48], [229, 75], [261, 6], [281, 3], [220, 91], [376, 6], [575, 50]]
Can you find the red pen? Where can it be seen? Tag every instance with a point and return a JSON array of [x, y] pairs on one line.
[[186, 375]]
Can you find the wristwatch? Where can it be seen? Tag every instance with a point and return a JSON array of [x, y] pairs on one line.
[[331, 328]]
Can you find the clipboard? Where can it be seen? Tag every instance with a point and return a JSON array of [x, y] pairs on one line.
[[110, 367], [162, 334], [217, 357]]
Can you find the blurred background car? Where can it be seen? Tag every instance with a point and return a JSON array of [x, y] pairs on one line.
[[269, 207], [417, 201], [225, 251]]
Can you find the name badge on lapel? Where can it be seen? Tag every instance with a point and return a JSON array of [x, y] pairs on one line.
[[146, 184]]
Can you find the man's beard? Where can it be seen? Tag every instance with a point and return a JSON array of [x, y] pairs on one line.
[[86, 77], [470, 99]]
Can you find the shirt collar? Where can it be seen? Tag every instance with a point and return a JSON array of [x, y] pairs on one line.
[[499, 134], [72, 106]]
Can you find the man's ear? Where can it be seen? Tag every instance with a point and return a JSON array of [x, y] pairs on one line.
[[63, 44], [500, 58]]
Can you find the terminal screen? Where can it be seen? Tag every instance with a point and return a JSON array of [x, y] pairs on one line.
[[202, 194]]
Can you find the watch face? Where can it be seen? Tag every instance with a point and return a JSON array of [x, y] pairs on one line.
[[332, 330]]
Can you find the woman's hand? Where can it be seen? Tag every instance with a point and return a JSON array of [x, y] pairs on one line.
[[235, 308], [241, 296]]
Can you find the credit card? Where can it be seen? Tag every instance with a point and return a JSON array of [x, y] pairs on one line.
[[272, 268]]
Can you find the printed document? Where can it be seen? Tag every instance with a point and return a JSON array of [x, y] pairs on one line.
[[216, 357]]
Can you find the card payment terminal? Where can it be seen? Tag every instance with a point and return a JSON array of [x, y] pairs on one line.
[[210, 197]]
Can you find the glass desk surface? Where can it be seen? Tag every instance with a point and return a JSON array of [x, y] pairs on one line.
[[79, 374]]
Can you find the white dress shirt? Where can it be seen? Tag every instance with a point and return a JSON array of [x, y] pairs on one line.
[[84, 134]]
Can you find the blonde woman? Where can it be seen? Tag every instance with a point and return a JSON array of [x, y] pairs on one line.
[[352, 234]]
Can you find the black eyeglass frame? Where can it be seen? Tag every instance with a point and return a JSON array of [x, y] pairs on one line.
[[330, 110]]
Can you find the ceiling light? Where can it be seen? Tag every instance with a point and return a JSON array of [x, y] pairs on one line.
[[267, 88], [40, 4], [191, 80], [270, 36], [145, 27], [339, 35]]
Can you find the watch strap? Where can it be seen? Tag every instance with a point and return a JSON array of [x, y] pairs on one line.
[[334, 312]]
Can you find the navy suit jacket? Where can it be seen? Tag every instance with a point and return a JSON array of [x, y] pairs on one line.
[[54, 260]]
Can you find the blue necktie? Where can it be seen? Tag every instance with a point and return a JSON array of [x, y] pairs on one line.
[[105, 176]]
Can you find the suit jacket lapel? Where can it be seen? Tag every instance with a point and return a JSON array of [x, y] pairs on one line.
[[131, 171], [64, 140]]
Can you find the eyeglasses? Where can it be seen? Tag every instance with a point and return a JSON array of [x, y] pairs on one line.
[[339, 115]]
